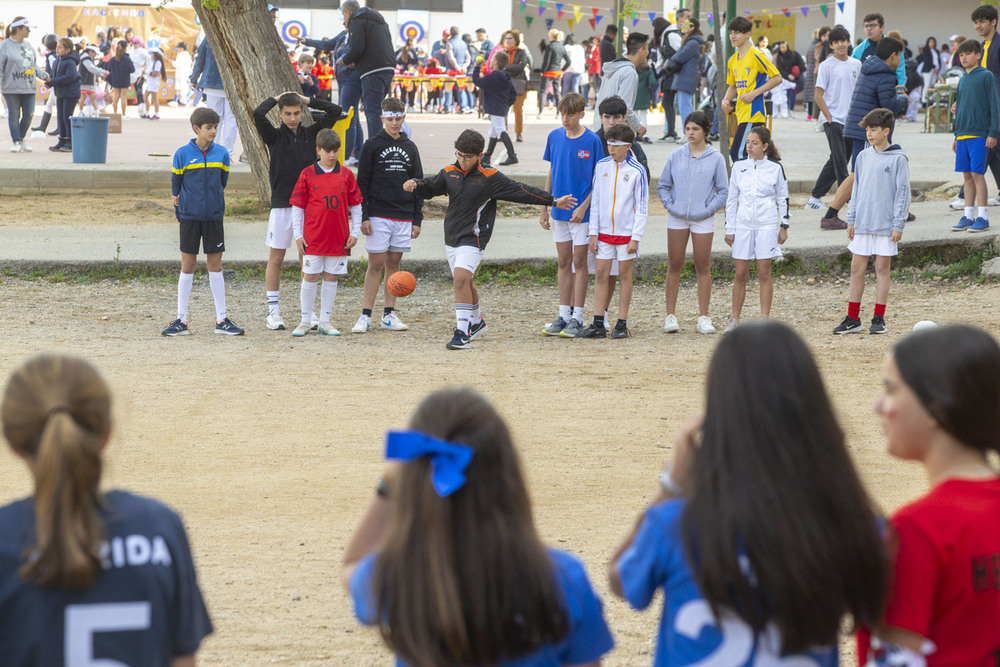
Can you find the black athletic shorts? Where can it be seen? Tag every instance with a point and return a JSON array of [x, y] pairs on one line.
[[208, 232]]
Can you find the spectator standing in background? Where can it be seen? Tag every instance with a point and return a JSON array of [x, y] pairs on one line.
[[593, 77], [577, 65], [555, 59], [607, 45]]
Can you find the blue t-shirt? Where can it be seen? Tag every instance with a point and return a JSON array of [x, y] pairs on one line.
[[688, 631], [144, 609], [573, 162], [587, 640]]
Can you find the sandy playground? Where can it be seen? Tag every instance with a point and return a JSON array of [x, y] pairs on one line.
[[270, 446]]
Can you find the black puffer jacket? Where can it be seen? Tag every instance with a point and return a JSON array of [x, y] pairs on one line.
[[555, 57], [369, 41]]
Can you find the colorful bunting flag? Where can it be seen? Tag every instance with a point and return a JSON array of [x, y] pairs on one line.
[[840, 6], [596, 11], [548, 23], [786, 12], [577, 13], [711, 20], [598, 19], [635, 22], [593, 24], [529, 19], [652, 16], [559, 10], [570, 22], [805, 11], [824, 9], [524, 3], [541, 9]]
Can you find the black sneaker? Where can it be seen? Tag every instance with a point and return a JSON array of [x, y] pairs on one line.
[[227, 328], [510, 159], [475, 330], [176, 328], [849, 325], [878, 325], [459, 341], [593, 331], [620, 331]]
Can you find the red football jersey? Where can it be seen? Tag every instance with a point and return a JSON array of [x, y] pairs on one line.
[[326, 198]]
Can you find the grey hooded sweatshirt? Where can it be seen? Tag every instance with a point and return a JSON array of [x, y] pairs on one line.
[[621, 79], [694, 188], [17, 67], [881, 197]]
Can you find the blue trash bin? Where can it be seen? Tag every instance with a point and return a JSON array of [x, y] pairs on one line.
[[90, 139]]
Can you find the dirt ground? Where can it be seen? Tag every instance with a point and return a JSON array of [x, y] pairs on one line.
[[270, 446]]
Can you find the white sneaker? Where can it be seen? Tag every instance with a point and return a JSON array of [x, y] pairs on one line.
[[16, 147], [351, 162], [993, 201], [314, 323], [302, 329], [607, 321], [326, 329], [25, 148], [274, 322], [392, 322], [705, 325], [957, 205], [671, 326], [363, 324], [733, 323], [814, 203]]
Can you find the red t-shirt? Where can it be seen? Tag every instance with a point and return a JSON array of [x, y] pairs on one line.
[[947, 573], [326, 198]]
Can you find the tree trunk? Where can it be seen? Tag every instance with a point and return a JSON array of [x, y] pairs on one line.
[[254, 65], [720, 83]]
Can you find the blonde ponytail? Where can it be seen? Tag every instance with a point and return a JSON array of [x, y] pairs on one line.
[[56, 413]]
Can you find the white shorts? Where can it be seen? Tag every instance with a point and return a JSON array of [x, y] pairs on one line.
[[706, 226], [756, 244], [389, 235], [335, 264], [498, 125], [616, 252], [592, 264], [463, 257], [577, 232], [871, 244], [279, 229]]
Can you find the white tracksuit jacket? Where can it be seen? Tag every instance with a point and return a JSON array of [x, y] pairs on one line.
[[758, 195], [620, 201]]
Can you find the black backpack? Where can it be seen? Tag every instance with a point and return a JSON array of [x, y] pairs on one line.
[[86, 78]]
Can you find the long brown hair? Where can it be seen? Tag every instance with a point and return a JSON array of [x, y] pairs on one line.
[[772, 484], [56, 413], [764, 135], [464, 579]]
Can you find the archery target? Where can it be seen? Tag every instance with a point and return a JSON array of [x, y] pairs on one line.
[[411, 29], [293, 30]]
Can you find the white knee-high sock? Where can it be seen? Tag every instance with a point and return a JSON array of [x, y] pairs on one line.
[[184, 284], [218, 284], [326, 298], [308, 298]]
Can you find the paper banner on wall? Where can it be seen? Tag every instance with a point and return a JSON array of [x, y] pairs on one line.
[[824, 9], [775, 27], [559, 10], [529, 19], [840, 6], [577, 13], [593, 24], [548, 23]]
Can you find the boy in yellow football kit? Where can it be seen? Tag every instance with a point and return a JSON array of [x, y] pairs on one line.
[[750, 74]]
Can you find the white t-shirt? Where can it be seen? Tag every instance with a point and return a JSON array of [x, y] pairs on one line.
[[837, 79]]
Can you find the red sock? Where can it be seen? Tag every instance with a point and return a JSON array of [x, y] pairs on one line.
[[854, 310], [880, 310]]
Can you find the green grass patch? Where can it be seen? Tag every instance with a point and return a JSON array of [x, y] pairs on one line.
[[247, 207]]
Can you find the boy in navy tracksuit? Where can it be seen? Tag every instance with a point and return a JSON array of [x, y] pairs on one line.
[[200, 174], [498, 94], [977, 126]]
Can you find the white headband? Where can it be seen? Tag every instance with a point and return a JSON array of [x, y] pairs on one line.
[[615, 142], [22, 23], [393, 114]]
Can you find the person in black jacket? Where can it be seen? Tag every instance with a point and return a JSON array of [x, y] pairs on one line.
[[498, 94], [292, 148], [65, 83], [554, 59], [372, 54], [473, 191], [607, 45], [390, 216]]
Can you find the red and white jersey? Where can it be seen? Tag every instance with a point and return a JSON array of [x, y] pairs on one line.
[[619, 202], [328, 200]]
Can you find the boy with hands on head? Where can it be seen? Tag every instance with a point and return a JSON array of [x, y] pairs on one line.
[[323, 196]]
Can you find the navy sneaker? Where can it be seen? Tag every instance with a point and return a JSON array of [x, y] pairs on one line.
[[980, 225], [227, 328], [593, 331], [477, 329], [963, 224], [459, 341], [849, 326], [176, 328]]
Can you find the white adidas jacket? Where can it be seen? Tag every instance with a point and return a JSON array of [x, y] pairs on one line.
[[620, 201], [758, 195]]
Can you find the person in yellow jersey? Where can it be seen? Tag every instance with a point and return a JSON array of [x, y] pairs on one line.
[[750, 75]]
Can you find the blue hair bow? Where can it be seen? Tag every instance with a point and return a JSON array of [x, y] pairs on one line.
[[448, 460]]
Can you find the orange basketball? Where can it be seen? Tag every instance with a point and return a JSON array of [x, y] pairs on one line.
[[401, 283]]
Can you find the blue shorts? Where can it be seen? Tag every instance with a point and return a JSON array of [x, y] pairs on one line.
[[858, 146], [970, 155]]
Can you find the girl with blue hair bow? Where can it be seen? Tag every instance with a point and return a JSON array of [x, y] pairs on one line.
[[447, 561]]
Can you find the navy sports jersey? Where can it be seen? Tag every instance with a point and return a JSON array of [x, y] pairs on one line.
[[688, 630], [587, 640], [572, 162], [145, 608]]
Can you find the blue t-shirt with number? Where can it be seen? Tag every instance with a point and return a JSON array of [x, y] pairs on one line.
[[145, 608], [588, 639], [572, 162], [689, 632]]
